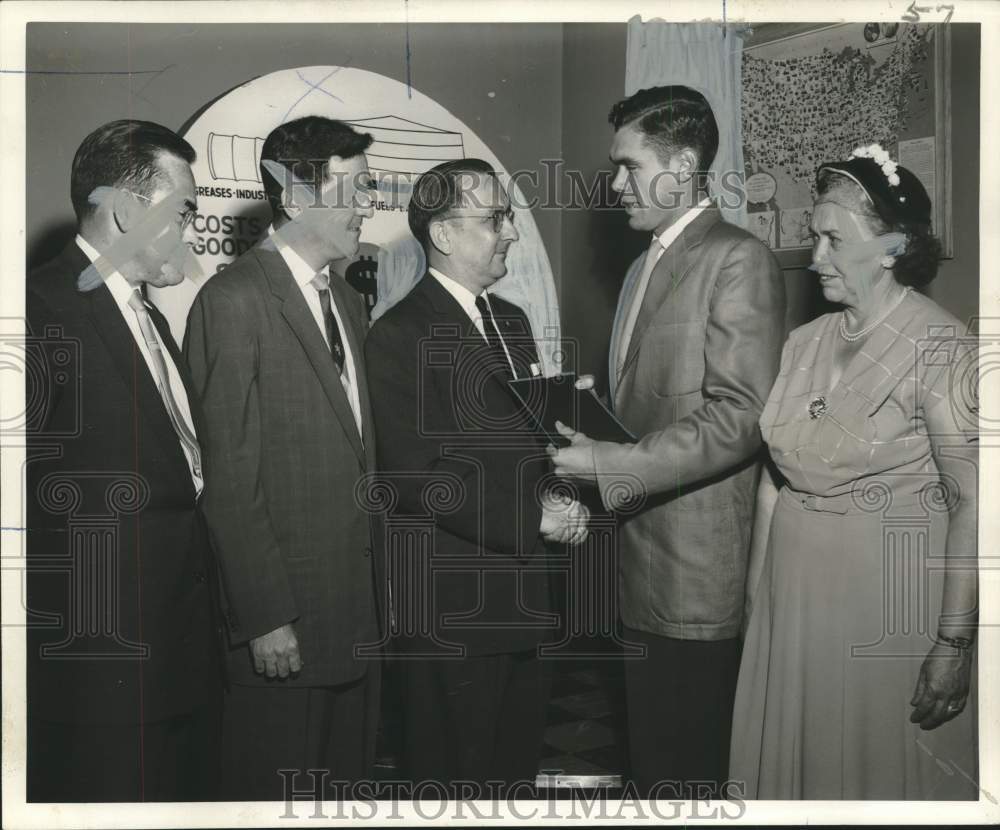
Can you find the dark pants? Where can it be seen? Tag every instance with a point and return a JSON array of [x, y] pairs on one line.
[[286, 727], [176, 759], [680, 712], [474, 719]]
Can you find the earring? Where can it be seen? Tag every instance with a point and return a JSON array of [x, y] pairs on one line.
[[888, 262]]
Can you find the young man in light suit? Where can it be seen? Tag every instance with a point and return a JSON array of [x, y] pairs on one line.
[[694, 352]]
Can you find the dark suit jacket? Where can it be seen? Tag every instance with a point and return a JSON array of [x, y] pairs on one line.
[[107, 470], [703, 356], [456, 450], [284, 462]]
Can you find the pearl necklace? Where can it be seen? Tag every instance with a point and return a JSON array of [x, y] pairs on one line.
[[851, 337]]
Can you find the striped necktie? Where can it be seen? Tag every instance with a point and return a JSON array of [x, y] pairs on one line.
[[184, 433]]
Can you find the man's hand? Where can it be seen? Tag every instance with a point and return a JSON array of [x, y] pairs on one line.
[[277, 653], [576, 460], [564, 520], [584, 382]]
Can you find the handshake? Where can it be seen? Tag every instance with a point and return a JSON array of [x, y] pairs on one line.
[[564, 520]]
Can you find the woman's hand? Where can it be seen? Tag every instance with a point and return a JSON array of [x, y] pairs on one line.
[[942, 687]]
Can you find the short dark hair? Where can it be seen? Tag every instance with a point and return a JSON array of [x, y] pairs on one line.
[[918, 264], [297, 145], [122, 153], [440, 190], [671, 118]]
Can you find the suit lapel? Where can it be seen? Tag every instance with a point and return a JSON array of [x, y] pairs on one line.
[[303, 325], [106, 319], [356, 339], [449, 309], [520, 342], [673, 267]]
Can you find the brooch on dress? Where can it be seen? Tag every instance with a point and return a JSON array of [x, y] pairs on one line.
[[817, 407]]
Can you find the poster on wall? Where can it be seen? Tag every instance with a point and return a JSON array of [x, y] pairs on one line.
[[812, 94], [412, 134]]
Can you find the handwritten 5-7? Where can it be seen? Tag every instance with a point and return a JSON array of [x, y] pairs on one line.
[[912, 14]]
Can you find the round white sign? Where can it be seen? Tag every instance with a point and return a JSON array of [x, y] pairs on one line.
[[412, 134]]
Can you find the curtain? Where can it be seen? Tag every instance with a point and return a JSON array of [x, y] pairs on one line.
[[706, 57]]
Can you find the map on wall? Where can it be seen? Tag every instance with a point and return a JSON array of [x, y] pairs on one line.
[[815, 96]]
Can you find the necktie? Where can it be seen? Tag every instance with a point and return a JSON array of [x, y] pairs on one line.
[[493, 333], [653, 255], [184, 433], [321, 282]]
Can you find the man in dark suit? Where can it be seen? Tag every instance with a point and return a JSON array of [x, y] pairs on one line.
[[694, 352], [124, 682], [457, 451], [274, 344]]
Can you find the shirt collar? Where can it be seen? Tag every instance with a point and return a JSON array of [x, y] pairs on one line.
[[302, 272], [465, 298], [676, 229], [92, 253], [121, 289]]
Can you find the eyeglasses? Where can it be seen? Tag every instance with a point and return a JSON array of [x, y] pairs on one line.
[[497, 216], [186, 218]]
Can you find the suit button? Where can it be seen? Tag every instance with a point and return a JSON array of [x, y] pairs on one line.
[[200, 578], [119, 683]]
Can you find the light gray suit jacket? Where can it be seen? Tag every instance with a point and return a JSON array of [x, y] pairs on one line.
[[702, 358]]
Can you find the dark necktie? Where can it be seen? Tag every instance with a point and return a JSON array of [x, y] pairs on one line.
[[493, 334], [321, 282]]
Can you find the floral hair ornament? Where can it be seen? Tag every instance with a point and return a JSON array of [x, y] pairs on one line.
[[881, 158], [897, 195]]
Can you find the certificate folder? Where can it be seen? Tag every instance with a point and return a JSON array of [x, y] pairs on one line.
[[557, 399]]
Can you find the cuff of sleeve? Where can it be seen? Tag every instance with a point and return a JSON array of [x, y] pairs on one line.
[[620, 490], [242, 629]]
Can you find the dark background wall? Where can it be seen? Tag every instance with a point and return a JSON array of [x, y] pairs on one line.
[[957, 285], [553, 85], [457, 65], [597, 245]]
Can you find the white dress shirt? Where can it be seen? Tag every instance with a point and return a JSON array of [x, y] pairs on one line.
[[467, 300], [303, 274], [463, 296], [121, 289]]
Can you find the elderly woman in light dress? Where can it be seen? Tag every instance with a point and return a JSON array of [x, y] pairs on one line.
[[856, 677]]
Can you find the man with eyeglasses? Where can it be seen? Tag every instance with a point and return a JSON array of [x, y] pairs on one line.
[[455, 448], [124, 671], [274, 343]]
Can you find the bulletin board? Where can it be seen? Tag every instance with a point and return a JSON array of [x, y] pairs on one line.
[[813, 93]]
